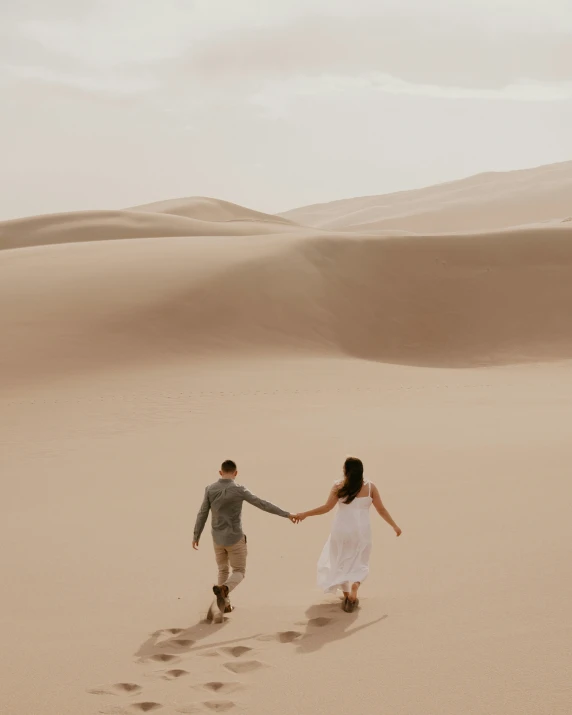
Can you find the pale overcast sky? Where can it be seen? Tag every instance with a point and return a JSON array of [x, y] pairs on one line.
[[275, 104]]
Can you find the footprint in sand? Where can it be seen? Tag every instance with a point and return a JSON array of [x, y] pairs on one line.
[[174, 674], [319, 622], [284, 637], [135, 709], [167, 631], [246, 666], [211, 705], [221, 706], [164, 657], [117, 689], [237, 651], [218, 687]]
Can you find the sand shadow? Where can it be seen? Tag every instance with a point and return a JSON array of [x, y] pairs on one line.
[[170, 644], [327, 623]]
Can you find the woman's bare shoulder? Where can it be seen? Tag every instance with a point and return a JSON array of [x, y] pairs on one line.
[[336, 486]]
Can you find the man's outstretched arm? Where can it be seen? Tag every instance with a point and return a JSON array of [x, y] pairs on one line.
[[262, 504], [202, 517]]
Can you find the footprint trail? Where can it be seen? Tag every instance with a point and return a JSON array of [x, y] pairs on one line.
[[240, 660]]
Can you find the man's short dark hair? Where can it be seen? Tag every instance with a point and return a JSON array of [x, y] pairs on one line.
[[228, 467]]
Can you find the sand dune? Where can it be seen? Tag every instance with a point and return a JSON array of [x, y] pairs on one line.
[[479, 203], [442, 301], [130, 368], [207, 209], [110, 225]]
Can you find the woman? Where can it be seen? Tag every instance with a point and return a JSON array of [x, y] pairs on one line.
[[344, 563]]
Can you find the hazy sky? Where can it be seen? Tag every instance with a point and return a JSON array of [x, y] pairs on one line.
[[273, 104]]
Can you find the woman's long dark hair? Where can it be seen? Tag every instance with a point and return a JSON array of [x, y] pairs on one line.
[[353, 480]]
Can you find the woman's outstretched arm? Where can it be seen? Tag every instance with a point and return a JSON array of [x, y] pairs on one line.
[[382, 511], [325, 508]]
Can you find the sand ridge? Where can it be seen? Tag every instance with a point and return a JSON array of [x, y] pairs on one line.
[[82, 226], [450, 301], [207, 209], [479, 203]]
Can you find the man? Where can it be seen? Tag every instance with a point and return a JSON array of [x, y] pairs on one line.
[[225, 498]]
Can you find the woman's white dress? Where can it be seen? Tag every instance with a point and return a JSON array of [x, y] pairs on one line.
[[345, 557]]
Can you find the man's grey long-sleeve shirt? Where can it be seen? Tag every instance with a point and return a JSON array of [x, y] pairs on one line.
[[225, 498]]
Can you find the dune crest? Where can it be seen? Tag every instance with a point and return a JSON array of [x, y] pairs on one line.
[[208, 209], [82, 226], [269, 286], [452, 301], [479, 203]]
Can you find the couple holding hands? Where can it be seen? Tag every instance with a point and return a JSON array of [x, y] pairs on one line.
[[344, 562]]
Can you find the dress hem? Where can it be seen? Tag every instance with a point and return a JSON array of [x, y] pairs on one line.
[[339, 586]]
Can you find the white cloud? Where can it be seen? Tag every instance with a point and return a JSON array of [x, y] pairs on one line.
[[276, 98], [115, 32], [274, 103], [420, 49], [104, 82], [207, 46]]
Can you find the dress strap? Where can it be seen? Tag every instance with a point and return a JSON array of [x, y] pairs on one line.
[[369, 491]]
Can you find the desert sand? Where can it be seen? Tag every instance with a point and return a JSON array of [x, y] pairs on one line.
[[479, 203], [142, 347]]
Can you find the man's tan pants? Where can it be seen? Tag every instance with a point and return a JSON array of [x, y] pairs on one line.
[[234, 557]]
